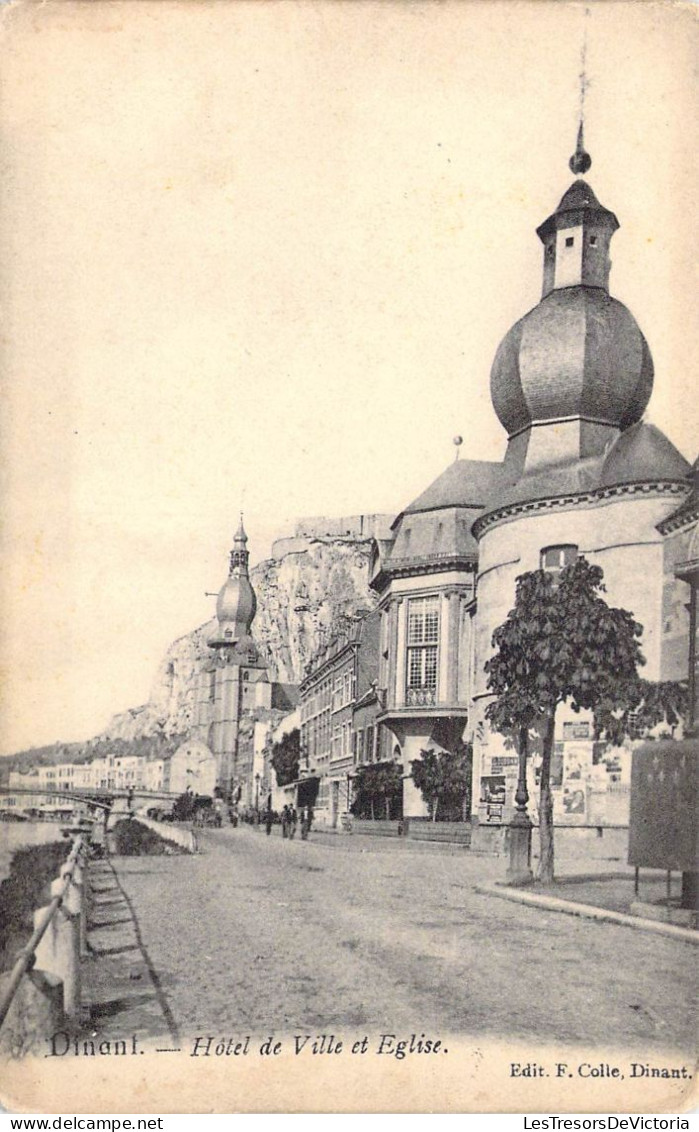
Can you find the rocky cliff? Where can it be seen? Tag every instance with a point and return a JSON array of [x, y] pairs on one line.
[[303, 594]]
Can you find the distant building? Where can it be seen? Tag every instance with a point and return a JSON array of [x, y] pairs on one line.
[[154, 774], [192, 765]]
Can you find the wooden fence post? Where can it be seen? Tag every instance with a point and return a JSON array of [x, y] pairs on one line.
[[36, 1012], [59, 951], [74, 899]]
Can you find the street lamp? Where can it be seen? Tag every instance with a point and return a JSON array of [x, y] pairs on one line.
[[520, 831], [257, 793]]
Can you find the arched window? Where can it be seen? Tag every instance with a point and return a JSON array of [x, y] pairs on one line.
[[554, 559]]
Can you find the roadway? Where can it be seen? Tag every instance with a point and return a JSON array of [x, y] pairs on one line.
[[257, 934]]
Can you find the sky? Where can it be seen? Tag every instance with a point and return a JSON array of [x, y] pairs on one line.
[[261, 255]]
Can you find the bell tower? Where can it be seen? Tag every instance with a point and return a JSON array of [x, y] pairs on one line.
[[236, 604], [576, 370], [577, 235], [235, 683]]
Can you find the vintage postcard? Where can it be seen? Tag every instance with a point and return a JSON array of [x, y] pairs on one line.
[[350, 561]]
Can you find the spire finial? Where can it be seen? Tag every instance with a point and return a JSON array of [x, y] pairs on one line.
[[581, 161], [457, 442]]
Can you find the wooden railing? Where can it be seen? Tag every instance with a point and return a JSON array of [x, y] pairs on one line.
[[43, 988]]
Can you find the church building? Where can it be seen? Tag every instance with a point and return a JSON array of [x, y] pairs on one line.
[[583, 474]]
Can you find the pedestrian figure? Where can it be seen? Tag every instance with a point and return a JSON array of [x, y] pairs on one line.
[[305, 822], [218, 812], [268, 822], [293, 822], [285, 821]]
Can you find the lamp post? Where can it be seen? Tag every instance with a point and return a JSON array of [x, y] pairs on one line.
[[257, 793], [520, 831]]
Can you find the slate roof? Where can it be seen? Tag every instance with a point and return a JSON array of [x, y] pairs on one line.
[[465, 483], [578, 201], [643, 453]]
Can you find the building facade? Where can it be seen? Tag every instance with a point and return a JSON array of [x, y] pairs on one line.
[[337, 677]]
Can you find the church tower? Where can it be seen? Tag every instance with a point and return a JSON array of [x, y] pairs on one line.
[[236, 604]]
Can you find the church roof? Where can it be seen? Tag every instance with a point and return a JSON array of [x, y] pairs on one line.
[[465, 483], [285, 697]]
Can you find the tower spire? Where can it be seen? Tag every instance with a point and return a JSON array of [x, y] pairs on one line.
[[236, 604], [581, 161]]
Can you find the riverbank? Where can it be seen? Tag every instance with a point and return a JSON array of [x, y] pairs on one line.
[[22, 834], [132, 838], [25, 889]]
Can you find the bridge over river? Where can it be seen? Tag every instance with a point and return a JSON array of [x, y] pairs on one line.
[[104, 799]]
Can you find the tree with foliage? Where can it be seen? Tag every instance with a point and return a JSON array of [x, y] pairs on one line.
[[560, 643], [637, 708], [377, 782], [444, 779], [285, 757]]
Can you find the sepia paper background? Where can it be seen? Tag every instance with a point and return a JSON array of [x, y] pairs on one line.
[[261, 255]]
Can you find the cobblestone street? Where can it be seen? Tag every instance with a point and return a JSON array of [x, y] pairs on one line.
[[258, 934]]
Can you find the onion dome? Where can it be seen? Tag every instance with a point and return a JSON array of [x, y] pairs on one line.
[[236, 604], [579, 353]]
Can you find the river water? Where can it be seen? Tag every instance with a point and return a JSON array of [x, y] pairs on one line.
[[17, 835]]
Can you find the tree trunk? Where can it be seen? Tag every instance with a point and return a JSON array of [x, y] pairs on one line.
[[371, 803], [388, 807], [545, 873], [435, 805]]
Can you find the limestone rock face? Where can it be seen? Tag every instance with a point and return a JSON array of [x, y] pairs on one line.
[[303, 596]]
